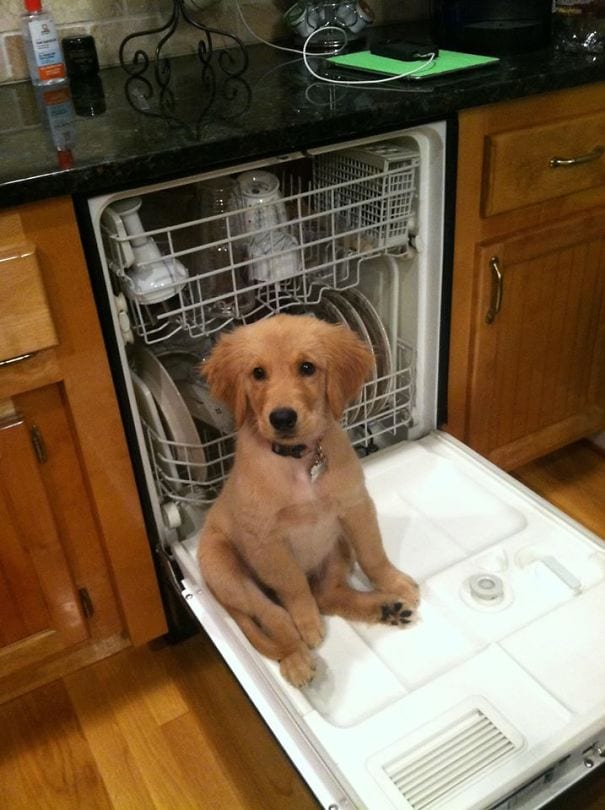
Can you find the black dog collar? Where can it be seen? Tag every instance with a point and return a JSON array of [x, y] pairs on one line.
[[319, 461], [294, 450]]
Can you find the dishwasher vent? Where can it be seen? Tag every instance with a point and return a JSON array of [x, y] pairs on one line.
[[458, 754]]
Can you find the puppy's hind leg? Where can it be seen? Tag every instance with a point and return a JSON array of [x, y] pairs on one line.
[[266, 625], [335, 596]]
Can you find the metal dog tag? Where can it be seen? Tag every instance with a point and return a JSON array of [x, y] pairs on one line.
[[320, 463]]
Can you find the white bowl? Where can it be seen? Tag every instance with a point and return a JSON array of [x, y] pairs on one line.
[[157, 279]]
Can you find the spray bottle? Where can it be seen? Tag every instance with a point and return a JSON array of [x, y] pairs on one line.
[[42, 47]]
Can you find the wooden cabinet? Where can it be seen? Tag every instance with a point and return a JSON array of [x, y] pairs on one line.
[[76, 575], [527, 352], [39, 601]]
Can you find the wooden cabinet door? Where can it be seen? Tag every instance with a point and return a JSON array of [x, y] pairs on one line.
[[40, 612], [538, 364]]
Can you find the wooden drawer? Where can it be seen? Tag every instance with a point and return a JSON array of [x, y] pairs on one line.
[[519, 171], [26, 324]]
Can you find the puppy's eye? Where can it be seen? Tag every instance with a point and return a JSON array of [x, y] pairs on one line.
[[259, 373], [307, 369]]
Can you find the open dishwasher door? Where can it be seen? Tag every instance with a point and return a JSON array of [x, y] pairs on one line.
[[500, 684]]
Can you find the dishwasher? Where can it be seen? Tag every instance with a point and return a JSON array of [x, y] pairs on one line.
[[495, 698]]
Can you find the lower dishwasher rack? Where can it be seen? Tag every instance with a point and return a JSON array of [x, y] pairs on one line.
[[194, 473]]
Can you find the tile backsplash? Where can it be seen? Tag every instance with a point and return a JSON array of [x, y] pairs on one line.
[[109, 21]]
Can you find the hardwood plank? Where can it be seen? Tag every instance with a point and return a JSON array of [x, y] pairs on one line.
[[572, 479], [128, 691], [45, 761], [254, 764], [191, 743], [156, 728], [110, 748], [163, 698]]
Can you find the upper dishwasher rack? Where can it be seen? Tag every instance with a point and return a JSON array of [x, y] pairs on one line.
[[245, 262]]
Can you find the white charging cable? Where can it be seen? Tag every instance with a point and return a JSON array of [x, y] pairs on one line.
[[305, 54], [424, 66], [282, 47]]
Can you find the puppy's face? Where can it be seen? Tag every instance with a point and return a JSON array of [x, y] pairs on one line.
[[288, 374]]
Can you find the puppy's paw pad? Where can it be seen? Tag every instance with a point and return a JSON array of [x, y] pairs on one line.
[[396, 613], [298, 668]]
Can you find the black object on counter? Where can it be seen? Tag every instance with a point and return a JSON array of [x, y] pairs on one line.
[[491, 27], [404, 50], [88, 96], [80, 54]]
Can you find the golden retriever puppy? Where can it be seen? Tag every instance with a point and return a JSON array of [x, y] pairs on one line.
[[279, 543]]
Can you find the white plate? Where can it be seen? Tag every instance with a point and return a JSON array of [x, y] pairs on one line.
[[179, 423], [184, 366], [380, 343], [327, 310], [151, 417], [357, 324]]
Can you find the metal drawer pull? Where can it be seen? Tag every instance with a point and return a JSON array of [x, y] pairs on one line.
[[497, 289], [10, 360], [596, 153]]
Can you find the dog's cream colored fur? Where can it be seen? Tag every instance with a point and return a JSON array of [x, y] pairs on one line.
[[276, 547]]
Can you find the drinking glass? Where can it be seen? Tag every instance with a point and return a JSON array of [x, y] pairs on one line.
[[222, 250]]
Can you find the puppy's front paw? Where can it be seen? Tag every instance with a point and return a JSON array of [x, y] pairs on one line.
[[298, 668], [311, 627], [396, 613], [398, 582]]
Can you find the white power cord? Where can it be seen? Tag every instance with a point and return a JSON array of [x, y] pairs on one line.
[[305, 54], [424, 66], [281, 47]]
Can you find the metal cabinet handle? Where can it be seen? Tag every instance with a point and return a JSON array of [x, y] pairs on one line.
[[497, 289], [18, 359], [596, 153]]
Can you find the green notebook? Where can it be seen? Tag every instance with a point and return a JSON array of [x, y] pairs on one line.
[[446, 62]]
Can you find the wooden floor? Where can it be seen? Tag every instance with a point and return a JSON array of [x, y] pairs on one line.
[[168, 727], [574, 480]]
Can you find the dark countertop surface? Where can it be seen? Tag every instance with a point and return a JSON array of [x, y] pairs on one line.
[[200, 123]]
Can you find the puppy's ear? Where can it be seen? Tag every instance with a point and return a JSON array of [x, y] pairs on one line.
[[349, 364], [224, 372]]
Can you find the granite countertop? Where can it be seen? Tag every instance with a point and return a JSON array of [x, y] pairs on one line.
[[210, 120]]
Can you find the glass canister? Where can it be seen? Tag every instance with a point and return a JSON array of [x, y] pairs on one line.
[[221, 260], [579, 26], [310, 17]]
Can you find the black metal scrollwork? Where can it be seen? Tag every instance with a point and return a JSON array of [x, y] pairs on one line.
[[232, 61], [221, 72]]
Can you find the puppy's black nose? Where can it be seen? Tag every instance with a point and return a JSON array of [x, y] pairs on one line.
[[283, 419]]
